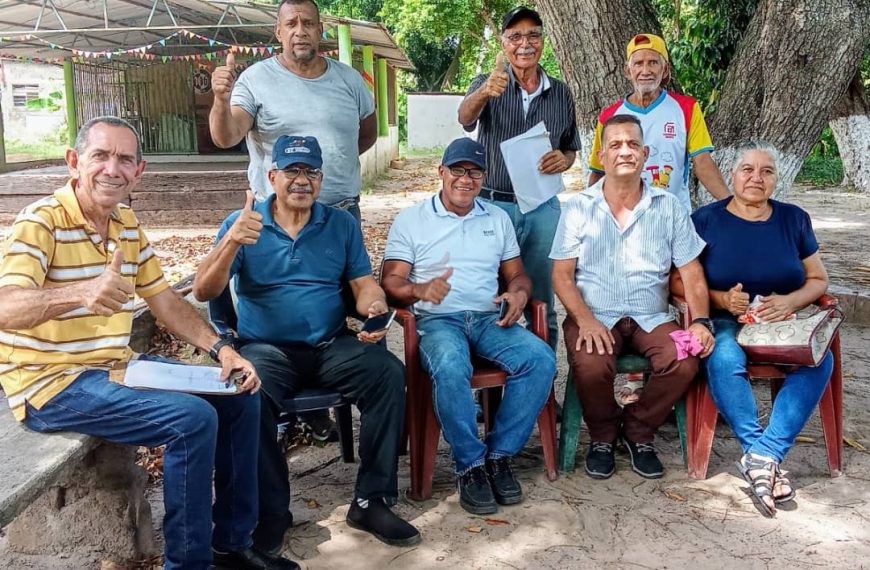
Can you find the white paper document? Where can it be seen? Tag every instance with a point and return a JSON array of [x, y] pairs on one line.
[[176, 378], [521, 155]]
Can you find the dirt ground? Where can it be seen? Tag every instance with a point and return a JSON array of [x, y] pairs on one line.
[[576, 522]]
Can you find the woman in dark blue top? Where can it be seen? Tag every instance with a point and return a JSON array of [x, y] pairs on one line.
[[759, 246]]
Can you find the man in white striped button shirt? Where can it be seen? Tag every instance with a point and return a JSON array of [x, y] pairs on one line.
[[613, 251]]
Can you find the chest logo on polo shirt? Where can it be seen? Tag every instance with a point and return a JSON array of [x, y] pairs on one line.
[[490, 233], [670, 131]]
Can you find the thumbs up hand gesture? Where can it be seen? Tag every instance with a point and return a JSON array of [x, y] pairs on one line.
[[223, 78], [107, 293], [246, 229], [435, 290], [736, 301], [498, 78]]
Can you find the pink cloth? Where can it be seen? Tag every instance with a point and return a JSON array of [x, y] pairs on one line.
[[686, 343]]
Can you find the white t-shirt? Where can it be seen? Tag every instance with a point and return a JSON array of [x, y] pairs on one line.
[[328, 107]]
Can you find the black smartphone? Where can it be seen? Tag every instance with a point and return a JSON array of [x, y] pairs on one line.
[[379, 322], [502, 309]]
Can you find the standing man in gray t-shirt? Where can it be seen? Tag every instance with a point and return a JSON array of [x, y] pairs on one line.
[[301, 93]]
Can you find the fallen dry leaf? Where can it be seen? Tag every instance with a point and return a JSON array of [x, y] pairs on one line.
[[495, 522], [805, 439], [854, 444], [110, 565], [474, 529], [312, 504], [673, 496]]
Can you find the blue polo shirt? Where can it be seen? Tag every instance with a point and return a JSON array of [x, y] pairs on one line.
[[431, 238], [289, 289]]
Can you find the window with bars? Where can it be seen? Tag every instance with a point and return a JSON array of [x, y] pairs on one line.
[[22, 93]]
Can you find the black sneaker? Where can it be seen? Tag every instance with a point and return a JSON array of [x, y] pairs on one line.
[[600, 462], [475, 492], [505, 487], [382, 523], [644, 460], [250, 559]]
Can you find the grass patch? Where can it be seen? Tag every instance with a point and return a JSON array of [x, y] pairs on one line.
[[821, 171], [39, 150], [419, 152]]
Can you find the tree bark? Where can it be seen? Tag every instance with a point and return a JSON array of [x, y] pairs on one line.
[[792, 66], [850, 122], [589, 39]]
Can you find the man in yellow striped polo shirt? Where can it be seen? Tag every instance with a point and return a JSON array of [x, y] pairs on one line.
[[69, 270]]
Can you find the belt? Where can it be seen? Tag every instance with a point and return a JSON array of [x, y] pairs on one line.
[[497, 195]]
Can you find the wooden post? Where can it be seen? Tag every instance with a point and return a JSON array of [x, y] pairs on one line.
[[345, 47], [383, 124], [69, 94]]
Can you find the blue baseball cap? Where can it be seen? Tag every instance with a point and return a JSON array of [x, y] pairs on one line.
[[464, 150], [293, 150]]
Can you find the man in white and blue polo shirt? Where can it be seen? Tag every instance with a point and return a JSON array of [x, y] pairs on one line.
[[290, 256], [444, 257]]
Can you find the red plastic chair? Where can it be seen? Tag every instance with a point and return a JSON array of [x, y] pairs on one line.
[[702, 414], [422, 425]]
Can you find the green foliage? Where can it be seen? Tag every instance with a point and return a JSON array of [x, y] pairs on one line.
[[826, 147], [51, 103], [702, 39], [821, 171], [47, 147]]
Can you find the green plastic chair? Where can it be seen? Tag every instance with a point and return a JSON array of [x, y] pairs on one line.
[[572, 412]]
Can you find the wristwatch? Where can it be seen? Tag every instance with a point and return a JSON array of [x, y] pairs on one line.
[[222, 342], [706, 321]]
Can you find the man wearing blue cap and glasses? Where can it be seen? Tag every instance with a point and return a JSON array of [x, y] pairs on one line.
[[290, 256], [444, 257]]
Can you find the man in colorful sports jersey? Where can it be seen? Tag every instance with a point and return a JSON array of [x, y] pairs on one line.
[[673, 125], [70, 267]]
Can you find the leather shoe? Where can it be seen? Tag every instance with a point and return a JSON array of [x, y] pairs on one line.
[[505, 487], [250, 559], [475, 492]]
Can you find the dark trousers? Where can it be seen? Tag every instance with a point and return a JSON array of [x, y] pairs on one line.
[[368, 375], [594, 374]]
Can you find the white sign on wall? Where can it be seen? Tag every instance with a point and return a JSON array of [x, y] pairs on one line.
[[432, 119]]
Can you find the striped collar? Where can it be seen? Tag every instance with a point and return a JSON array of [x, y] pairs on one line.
[[544, 84], [67, 198], [441, 210]]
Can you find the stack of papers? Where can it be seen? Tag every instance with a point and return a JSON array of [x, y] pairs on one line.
[[521, 155], [152, 375]]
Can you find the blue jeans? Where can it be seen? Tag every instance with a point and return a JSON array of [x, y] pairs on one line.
[[535, 232], [201, 434], [732, 394], [446, 345]]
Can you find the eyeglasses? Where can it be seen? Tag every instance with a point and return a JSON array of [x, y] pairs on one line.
[[516, 38], [460, 171], [292, 172]]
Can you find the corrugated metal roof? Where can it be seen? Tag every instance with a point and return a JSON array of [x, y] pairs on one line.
[[43, 28]]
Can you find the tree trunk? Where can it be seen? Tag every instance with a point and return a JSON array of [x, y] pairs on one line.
[[589, 39], [452, 69], [792, 66], [850, 122]]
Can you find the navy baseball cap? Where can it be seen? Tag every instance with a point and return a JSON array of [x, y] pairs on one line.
[[293, 150], [519, 13], [464, 150]]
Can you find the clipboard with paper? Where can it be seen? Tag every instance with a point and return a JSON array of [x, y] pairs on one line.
[[521, 155], [192, 379]]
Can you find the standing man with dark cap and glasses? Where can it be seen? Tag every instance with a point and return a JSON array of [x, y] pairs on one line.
[[506, 103]]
